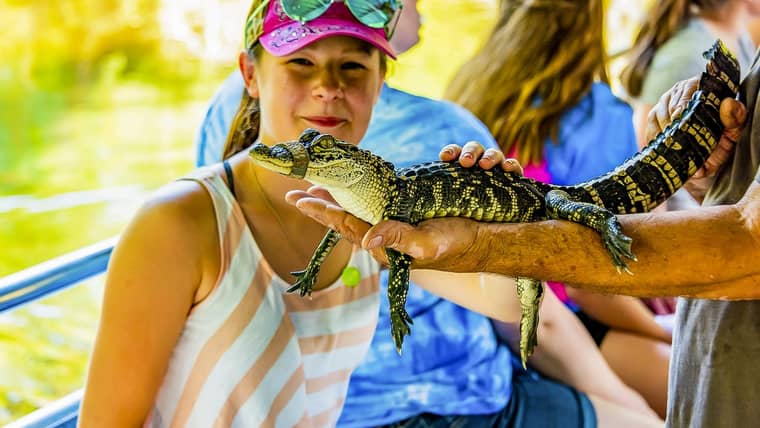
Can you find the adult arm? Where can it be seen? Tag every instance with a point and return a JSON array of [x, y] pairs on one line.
[[710, 252], [150, 285]]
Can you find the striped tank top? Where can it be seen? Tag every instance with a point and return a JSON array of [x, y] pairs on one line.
[[252, 355]]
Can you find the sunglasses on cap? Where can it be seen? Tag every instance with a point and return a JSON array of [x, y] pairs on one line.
[[372, 13]]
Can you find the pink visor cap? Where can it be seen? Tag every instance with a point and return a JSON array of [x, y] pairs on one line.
[[283, 36]]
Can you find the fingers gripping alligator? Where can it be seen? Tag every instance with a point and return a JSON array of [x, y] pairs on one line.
[[370, 188]]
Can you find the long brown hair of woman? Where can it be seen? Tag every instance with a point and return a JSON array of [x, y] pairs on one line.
[[663, 20], [540, 60]]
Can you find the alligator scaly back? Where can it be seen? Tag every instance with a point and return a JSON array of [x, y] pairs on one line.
[[657, 171], [370, 188]]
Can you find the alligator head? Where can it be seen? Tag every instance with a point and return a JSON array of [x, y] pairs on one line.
[[356, 178]]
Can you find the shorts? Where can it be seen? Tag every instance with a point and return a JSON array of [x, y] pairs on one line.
[[535, 403], [597, 330]]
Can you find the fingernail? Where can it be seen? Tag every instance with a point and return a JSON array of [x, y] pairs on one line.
[[374, 242], [448, 151], [466, 155]]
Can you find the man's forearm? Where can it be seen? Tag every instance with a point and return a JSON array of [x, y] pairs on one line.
[[686, 253]]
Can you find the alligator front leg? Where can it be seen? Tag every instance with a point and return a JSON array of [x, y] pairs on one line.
[[560, 206], [530, 292], [305, 279], [398, 285]]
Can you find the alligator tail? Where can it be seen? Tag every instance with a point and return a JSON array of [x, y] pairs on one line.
[[660, 169]]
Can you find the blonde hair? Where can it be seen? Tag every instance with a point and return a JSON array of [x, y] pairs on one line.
[[540, 60], [663, 20]]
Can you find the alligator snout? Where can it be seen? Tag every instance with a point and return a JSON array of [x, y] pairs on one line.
[[276, 158]]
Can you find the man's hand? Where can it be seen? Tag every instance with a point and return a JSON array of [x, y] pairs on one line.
[[733, 115], [318, 204], [452, 244], [474, 152], [446, 244]]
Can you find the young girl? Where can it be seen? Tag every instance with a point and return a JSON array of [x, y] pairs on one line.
[[197, 329], [544, 95]]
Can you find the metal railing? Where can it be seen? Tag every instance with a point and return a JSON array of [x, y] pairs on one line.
[[54, 275], [41, 281]]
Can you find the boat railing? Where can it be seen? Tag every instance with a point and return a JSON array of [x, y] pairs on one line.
[[41, 281]]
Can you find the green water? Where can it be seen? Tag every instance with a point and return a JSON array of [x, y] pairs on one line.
[[80, 148]]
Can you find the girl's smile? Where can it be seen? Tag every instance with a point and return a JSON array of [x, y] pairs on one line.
[[325, 122]]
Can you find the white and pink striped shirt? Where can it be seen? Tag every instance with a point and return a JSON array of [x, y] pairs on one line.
[[252, 355]]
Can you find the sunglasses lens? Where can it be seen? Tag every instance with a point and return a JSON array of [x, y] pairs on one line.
[[373, 13], [304, 10]]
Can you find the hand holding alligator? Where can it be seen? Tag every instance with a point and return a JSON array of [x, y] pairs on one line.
[[733, 114], [375, 191], [452, 243], [453, 236]]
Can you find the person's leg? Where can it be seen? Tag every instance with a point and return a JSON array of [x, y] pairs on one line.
[[539, 402], [429, 420], [609, 414], [642, 363]]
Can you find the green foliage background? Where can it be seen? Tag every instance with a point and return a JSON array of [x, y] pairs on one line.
[[97, 108]]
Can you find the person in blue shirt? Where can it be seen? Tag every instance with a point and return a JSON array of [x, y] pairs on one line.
[[454, 368]]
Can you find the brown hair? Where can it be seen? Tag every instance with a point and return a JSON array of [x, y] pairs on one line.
[[244, 129], [663, 20], [540, 60]]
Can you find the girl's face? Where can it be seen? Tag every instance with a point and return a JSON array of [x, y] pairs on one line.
[[330, 85]]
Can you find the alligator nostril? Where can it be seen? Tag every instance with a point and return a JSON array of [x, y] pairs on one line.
[[260, 149]]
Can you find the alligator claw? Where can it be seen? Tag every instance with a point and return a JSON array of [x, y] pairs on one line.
[[531, 293], [305, 280], [400, 322], [618, 244]]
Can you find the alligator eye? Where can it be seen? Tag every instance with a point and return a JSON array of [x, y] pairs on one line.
[[308, 135], [326, 142]]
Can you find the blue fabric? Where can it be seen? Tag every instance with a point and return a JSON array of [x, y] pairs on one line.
[[536, 402], [452, 364], [595, 136], [212, 135]]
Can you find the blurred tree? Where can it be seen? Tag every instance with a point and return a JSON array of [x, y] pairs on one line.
[[64, 43]]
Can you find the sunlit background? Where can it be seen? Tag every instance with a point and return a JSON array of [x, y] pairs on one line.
[[100, 101]]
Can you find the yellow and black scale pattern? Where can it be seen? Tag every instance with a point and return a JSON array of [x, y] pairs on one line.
[[369, 187]]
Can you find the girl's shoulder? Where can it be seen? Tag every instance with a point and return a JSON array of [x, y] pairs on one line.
[[180, 214], [181, 203]]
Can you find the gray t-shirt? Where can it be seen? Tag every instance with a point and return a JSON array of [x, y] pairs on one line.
[[681, 58], [715, 367]]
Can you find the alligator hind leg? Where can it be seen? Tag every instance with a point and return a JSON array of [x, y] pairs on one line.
[[305, 279], [560, 206], [531, 292], [398, 285]]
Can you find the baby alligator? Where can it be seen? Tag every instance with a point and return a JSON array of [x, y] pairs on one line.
[[370, 188]]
